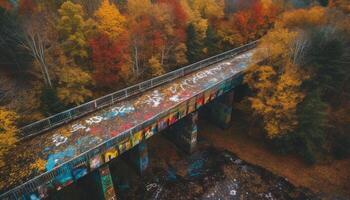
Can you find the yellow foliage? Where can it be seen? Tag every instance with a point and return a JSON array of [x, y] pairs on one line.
[[188, 10], [137, 8], [8, 132], [229, 34], [276, 97], [110, 21], [209, 9], [156, 67], [276, 45], [200, 24], [38, 165], [180, 54], [72, 85], [302, 18]]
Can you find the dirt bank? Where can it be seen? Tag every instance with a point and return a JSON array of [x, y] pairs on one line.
[[331, 179]]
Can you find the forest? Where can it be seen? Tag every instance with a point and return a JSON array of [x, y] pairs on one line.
[[57, 54]]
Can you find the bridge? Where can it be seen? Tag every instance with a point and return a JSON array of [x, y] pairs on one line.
[[80, 140]]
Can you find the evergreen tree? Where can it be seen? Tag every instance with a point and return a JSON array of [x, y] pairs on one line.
[[50, 103], [310, 135], [212, 42], [194, 45]]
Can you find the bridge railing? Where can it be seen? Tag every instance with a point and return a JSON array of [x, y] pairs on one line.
[[79, 111]]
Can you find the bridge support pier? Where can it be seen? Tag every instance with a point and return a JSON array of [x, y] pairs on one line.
[[220, 111], [138, 156], [105, 184], [184, 133]]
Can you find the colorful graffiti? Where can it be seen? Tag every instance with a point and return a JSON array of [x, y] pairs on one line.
[[59, 139], [110, 154], [96, 162]]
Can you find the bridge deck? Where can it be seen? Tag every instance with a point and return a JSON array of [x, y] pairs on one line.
[[62, 144]]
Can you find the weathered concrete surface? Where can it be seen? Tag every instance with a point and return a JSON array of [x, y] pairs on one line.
[[138, 156], [220, 111], [60, 145], [184, 133]]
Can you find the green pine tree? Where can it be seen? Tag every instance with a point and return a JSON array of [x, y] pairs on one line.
[[212, 42], [194, 45], [310, 135]]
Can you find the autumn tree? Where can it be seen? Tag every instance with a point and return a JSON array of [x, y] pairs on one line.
[[306, 54], [277, 97], [72, 82], [109, 20], [155, 67], [248, 24], [110, 60], [39, 36], [73, 29], [157, 31], [8, 132]]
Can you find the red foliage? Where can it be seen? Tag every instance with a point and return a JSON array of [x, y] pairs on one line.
[[180, 17], [108, 57], [254, 19], [257, 14], [5, 4], [27, 7]]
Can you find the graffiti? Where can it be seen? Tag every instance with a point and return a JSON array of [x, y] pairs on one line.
[[107, 183], [110, 154], [137, 137], [96, 162], [59, 139], [94, 120], [79, 172], [114, 112], [158, 188], [119, 111], [175, 98], [124, 145], [233, 192], [149, 132], [190, 82], [144, 162], [55, 159], [77, 127], [154, 99], [151, 186]]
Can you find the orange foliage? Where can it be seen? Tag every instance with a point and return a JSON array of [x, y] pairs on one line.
[[5, 4], [109, 58]]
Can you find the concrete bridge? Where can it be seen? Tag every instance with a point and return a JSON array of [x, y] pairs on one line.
[[84, 139]]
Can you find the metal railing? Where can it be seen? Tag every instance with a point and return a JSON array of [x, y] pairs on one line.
[[47, 177], [79, 111]]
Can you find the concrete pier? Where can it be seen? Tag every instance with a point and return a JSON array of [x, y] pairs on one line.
[[105, 184], [220, 110], [138, 156], [184, 132]]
